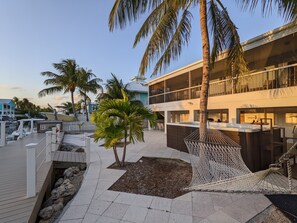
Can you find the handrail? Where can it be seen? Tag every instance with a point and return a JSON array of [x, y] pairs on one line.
[[225, 80]]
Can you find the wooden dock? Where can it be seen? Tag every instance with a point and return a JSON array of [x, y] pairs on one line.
[[14, 205]]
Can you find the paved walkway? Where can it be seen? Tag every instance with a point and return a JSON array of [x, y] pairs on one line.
[[94, 203]]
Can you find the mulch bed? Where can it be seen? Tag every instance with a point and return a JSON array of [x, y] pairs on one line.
[[154, 176]]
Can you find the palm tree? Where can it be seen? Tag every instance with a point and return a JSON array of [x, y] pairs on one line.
[[169, 27], [126, 116], [66, 106], [107, 128], [87, 84], [67, 80], [114, 88]]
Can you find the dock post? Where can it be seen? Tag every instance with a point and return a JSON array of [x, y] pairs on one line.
[[48, 148], [88, 150], [31, 170], [58, 126], [32, 126], [2, 136], [54, 139], [21, 129]]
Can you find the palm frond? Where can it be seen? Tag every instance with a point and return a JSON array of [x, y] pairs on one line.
[[180, 38], [286, 8], [225, 37], [50, 90], [159, 39], [124, 11]]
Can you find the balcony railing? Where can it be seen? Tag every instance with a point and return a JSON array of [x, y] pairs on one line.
[[285, 76]]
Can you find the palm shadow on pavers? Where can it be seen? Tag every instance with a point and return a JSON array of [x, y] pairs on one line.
[[162, 177], [286, 203]]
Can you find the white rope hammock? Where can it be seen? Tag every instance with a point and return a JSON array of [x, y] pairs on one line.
[[217, 165]]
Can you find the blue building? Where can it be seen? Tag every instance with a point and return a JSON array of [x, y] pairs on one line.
[[7, 107], [140, 89]]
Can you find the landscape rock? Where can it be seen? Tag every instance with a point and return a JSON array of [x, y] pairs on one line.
[[58, 207], [58, 182], [80, 150], [46, 213], [57, 192], [68, 173]]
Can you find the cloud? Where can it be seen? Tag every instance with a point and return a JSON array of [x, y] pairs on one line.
[[60, 97], [17, 88]]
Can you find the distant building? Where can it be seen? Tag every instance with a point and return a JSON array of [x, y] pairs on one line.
[[140, 89], [92, 107], [7, 107]]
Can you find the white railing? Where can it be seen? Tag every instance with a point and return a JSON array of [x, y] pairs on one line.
[[38, 153], [280, 77], [78, 126]]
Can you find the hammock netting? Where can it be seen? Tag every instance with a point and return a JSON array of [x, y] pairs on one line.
[[217, 165]]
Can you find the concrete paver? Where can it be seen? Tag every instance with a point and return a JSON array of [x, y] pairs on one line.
[[95, 203]]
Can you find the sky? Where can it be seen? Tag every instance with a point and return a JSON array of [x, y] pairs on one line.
[[34, 34]]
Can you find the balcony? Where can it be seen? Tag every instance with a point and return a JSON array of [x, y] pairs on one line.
[[281, 77]]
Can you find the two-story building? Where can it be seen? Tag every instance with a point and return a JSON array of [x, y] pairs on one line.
[[268, 90], [7, 107]]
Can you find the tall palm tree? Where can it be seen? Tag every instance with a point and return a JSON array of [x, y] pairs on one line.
[[114, 87], [67, 80], [88, 84], [169, 26], [128, 117]]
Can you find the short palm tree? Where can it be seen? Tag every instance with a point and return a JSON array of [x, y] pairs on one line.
[[88, 84], [67, 80], [126, 116], [114, 87], [108, 129], [66, 106]]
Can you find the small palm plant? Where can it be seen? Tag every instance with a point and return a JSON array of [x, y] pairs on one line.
[[125, 121]]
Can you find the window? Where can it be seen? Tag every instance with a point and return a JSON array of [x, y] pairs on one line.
[[291, 118]]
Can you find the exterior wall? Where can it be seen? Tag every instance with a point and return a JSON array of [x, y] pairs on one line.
[[282, 97]]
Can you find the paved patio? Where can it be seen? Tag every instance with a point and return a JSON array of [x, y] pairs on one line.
[[95, 203]]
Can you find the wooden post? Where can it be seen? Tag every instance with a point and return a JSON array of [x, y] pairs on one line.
[[88, 150], [2, 136], [58, 126], [48, 148], [21, 129], [31, 169], [54, 138], [32, 126]]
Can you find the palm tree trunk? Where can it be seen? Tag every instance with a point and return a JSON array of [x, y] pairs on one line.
[[205, 69], [86, 110], [116, 156], [72, 101], [124, 151]]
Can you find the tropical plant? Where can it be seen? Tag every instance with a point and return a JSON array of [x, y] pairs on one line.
[[114, 87], [67, 80], [108, 128], [66, 107], [88, 84], [126, 121]]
